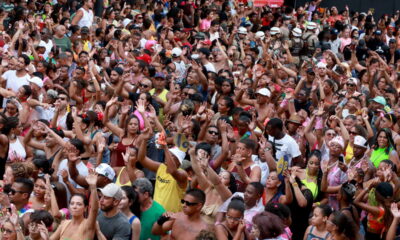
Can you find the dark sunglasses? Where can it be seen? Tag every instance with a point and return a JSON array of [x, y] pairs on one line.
[[350, 84], [144, 85], [13, 191], [212, 132], [5, 230], [190, 204]]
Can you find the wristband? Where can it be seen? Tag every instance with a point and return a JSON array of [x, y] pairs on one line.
[[161, 220]]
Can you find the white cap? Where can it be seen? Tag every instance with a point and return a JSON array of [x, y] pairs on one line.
[[126, 21], [176, 52], [275, 30], [105, 170], [297, 32], [264, 92], [354, 80], [36, 81], [321, 65], [360, 141], [112, 190], [260, 35], [178, 153], [311, 25], [337, 140], [242, 30], [42, 44]]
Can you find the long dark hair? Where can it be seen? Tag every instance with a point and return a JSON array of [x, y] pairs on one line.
[[388, 134], [133, 198]]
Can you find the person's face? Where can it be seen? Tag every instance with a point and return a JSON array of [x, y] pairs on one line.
[[40, 68], [335, 149], [247, 61], [273, 181], [133, 126], [358, 151], [21, 93], [8, 176], [222, 106], [382, 140], [78, 73], [124, 203], [212, 135], [226, 87], [224, 176], [17, 194], [11, 109], [301, 96], [84, 58], [159, 83], [21, 64], [77, 206], [250, 196], [313, 165], [233, 218], [107, 203], [39, 188], [190, 205], [8, 231], [318, 218], [145, 86], [353, 132], [381, 169], [348, 123], [242, 150], [385, 123], [322, 71], [114, 77]]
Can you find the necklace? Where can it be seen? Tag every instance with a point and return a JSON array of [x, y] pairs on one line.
[[312, 178]]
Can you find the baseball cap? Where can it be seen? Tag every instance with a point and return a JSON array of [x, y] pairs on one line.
[[242, 30], [36, 81], [360, 141], [275, 30], [105, 170], [112, 190], [149, 45], [392, 40], [176, 52], [378, 32], [311, 25], [200, 36], [145, 57], [296, 119], [126, 21], [310, 70], [260, 35], [338, 140], [205, 51], [178, 153], [264, 92], [379, 99], [159, 75], [334, 31], [321, 65], [297, 32]]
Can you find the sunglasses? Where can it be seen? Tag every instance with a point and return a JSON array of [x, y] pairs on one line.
[[350, 84], [190, 204], [233, 218], [13, 191], [5, 230], [144, 85], [212, 132], [330, 134]]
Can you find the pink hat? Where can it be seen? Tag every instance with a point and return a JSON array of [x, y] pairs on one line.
[[149, 45]]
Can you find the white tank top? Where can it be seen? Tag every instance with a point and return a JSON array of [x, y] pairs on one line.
[[87, 18], [16, 150]]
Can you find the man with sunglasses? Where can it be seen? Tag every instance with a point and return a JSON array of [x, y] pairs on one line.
[[19, 195], [186, 224]]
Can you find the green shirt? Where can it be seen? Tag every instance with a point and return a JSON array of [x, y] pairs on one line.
[[148, 218], [63, 43], [378, 155]]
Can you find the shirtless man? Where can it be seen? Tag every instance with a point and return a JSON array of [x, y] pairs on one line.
[[186, 224]]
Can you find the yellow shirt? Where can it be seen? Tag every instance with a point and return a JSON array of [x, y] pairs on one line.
[[167, 191], [349, 154], [163, 97]]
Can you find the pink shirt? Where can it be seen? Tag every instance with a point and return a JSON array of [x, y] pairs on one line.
[[205, 24]]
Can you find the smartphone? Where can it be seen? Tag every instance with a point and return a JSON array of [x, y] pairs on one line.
[[341, 159], [343, 102]]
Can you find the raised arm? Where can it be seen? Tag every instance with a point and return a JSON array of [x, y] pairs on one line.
[[91, 179], [199, 166], [112, 127]]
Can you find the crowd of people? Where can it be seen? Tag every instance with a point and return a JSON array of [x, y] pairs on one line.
[[206, 119]]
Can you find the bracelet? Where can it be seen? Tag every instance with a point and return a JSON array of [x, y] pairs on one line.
[[295, 184]]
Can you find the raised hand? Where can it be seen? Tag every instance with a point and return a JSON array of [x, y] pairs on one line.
[[91, 179], [152, 113], [112, 102], [44, 233], [64, 175], [125, 109], [140, 106], [395, 210]]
